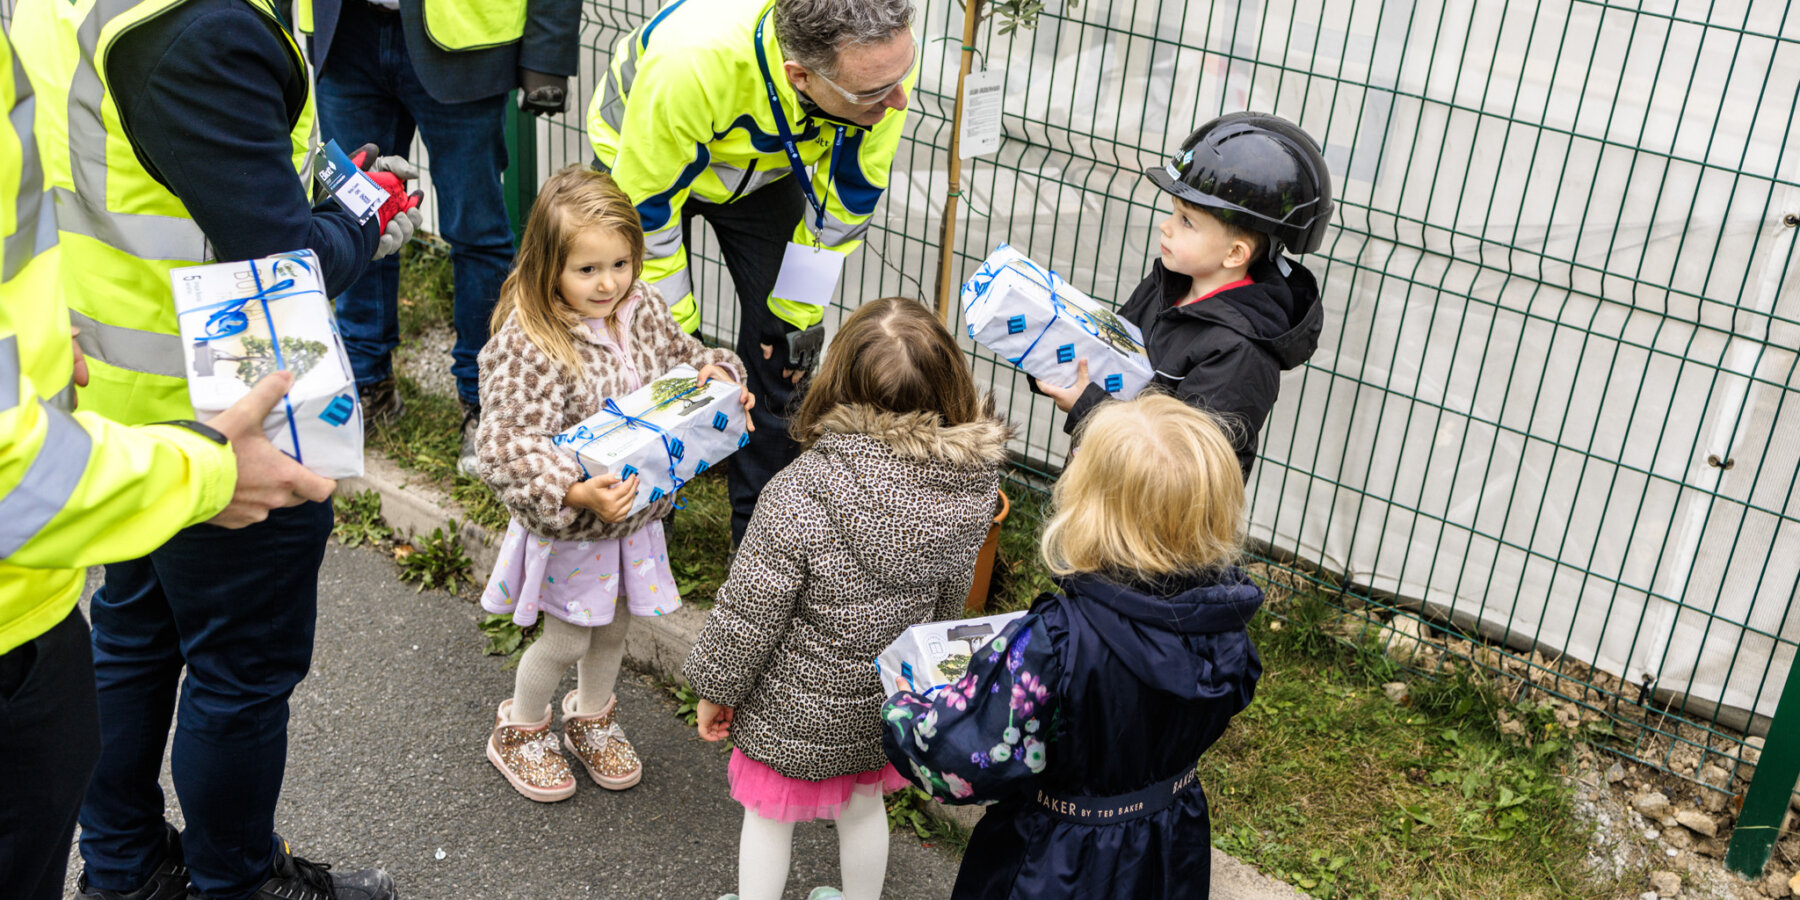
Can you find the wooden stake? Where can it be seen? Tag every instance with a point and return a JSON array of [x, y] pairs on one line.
[[971, 15]]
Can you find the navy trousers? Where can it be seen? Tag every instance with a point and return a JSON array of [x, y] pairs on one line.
[[236, 609], [753, 233], [368, 92], [49, 739]]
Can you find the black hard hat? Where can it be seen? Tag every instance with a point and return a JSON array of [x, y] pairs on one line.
[[1256, 171]]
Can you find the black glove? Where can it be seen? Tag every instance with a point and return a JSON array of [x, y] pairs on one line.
[[541, 94], [803, 347]]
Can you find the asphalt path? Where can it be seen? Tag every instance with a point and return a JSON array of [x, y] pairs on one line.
[[386, 768]]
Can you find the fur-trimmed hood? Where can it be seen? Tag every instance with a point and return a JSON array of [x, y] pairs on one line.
[[898, 486]]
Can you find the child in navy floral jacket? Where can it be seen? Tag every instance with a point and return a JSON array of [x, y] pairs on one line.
[[1082, 720]]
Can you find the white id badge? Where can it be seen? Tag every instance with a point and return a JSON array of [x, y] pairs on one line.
[[809, 274], [355, 191]]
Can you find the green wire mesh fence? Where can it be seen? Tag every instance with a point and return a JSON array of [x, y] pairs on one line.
[[1553, 427]]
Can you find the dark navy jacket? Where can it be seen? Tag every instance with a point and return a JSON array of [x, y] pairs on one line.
[[209, 95], [551, 45], [1225, 353], [1100, 691]]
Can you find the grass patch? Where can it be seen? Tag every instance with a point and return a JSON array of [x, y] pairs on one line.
[[427, 288], [1327, 784], [426, 441], [1019, 573], [700, 542]]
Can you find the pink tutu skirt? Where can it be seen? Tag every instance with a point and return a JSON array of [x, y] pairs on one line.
[[772, 795]]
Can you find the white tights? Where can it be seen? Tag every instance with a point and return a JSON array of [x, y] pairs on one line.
[[595, 651], [767, 846]]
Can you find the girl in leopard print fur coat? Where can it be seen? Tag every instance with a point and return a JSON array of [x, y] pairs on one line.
[[574, 326], [872, 529]]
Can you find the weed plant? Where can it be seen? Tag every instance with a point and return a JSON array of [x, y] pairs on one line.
[[359, 521], [427, 288], [437, 561]]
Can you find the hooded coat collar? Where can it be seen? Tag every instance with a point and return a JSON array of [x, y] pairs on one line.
[[1151, 632]]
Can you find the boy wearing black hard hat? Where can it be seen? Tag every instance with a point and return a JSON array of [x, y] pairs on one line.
[[1224, 312]]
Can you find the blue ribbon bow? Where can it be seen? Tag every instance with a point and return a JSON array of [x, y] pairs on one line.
[[584, 436]]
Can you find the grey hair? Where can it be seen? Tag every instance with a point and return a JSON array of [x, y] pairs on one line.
[[812, 32]]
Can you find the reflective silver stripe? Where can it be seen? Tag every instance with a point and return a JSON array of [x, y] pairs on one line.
[[9, 372], [47, 484], [618, 84], [64, 399], [34, 227], [663, 244], [675, 287], [144, 236], [150, 352], [835, 232]]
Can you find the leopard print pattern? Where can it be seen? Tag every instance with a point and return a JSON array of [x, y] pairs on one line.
[[526, 400], [873, 529]]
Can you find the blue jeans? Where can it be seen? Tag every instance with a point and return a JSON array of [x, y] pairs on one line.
[[368, 93], [236, 609]]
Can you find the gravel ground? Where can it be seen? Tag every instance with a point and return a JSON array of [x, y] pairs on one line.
[[427, 360], [1607, 792]]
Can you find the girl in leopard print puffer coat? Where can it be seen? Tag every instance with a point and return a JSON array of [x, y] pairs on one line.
[[873, 529]]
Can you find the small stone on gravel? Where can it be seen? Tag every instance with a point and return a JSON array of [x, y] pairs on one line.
[[1615, 774], [1397, 692], [1653, 805], [1698, 822], [1666, 884]]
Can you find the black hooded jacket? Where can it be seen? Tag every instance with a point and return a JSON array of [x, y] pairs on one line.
[[1226, 353]]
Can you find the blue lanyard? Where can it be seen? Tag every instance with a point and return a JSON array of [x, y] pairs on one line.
[[787, 137]]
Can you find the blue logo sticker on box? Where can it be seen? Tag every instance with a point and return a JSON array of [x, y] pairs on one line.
[[1115, 383], [743, 439], [1015, 324], [676, 448], [701, 466], [1065, 353], [626, 473], [655, 494], [720, 421], [338, 411]]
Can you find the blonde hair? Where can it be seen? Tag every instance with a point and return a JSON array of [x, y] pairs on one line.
[[892, 354], [1154, 489], [574, 200]]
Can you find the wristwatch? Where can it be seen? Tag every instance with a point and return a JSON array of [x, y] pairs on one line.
[[200, 428]]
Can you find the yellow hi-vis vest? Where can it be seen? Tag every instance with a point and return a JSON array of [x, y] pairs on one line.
[[121, 231], [455, 24], [684, 111], [75, 490]]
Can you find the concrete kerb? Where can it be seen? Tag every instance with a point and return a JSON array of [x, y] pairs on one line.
[[658, 645]]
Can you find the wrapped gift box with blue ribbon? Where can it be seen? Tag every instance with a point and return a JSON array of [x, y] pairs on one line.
[[666, 432], [1033, 319], [929, 656], [240, 321]]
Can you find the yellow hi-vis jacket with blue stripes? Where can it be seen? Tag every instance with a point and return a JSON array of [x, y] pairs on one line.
[[684, 112], [75, 490]]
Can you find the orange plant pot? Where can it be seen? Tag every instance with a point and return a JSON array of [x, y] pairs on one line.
[[984, 562]]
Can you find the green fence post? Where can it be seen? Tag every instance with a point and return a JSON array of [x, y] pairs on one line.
[[520, 181], [1767, 801]]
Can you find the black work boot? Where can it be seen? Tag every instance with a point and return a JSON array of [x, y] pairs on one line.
[[168, 882], [296, 878], [381, 402]]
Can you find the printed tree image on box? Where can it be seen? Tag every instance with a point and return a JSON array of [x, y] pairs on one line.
[[929, 656], [241, 321], [665, 433], [1033, 319]]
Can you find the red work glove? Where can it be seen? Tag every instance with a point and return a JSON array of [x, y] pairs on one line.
[[399, 215]]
